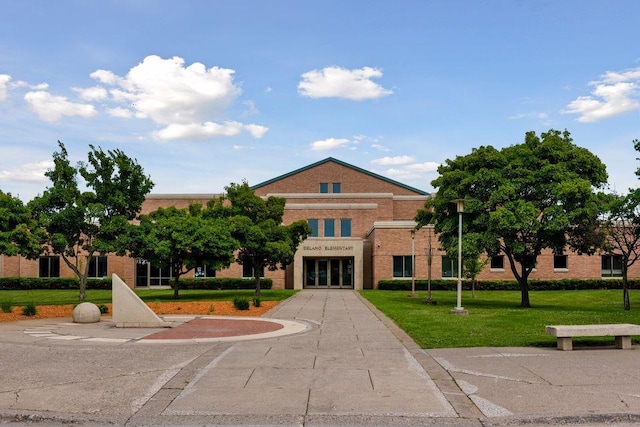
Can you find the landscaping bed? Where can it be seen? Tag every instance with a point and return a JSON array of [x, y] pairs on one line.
[[218, 308]]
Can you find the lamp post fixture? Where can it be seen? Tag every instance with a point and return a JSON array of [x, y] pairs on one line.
[[458, 309], [413, 263]]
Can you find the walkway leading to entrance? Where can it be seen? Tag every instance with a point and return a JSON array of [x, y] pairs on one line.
[[348, 365]]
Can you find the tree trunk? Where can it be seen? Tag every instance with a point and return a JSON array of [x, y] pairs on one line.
[[176, 281], [256, 280], [83, 287], [625, 290]]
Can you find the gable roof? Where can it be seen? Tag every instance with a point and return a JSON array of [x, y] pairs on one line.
[[340, 162]]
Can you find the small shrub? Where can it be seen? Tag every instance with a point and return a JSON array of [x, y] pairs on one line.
[[256, 302], [212, 308], [6, 306], [241, 303], [103, 309], [29, 310]]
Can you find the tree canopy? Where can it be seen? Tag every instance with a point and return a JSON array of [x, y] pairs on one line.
[[520, 200], [183, 239], [264, 241], [78, 225], [18, 234]]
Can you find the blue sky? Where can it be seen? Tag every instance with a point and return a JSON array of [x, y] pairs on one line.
[[205, 93]]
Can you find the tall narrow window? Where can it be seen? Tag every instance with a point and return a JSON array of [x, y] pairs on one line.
[[98, 267], [329, 227], [313, 224], [345, 227], [324, 187], [336, 187], [449, 267], [611, 265], [49, 266], [402, 266]]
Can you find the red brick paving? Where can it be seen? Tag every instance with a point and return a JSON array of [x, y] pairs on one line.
[[216, 328]]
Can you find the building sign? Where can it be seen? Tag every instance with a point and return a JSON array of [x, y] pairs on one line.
[[327, 248]]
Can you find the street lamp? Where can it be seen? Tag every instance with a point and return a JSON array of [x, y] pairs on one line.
[[429, 260], [458, 309], [413, 263]]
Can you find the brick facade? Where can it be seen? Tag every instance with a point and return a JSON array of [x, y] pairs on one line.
[[378, 214]]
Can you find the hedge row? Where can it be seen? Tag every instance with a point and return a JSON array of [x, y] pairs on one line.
[[509, 285], [26, 283]]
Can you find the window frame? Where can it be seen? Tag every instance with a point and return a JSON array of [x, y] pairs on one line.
[[313, 223], [345, 227], [406, 267], [52, 269]]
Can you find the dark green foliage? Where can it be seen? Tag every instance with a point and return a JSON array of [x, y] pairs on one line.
[[78, 224], [509, 285], [17, 235], [6, 306], [241, 303], [29, 310], [103, 309], [26, 283], [183, 239], [520, 200], [264, 241]]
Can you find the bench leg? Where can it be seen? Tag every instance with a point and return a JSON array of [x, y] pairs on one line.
[[623, 342], [565, 343]]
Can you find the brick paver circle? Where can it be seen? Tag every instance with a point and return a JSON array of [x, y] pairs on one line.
[[216, 328]]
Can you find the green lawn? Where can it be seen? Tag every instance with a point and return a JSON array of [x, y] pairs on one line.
[[70, 296], [495, 318]]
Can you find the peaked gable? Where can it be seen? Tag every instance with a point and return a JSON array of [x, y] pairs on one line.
[[352, 179]]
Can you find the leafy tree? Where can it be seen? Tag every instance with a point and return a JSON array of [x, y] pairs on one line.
[[621, 228], [264, 241], [79, 225], [18, 234], [183, 239], [522, 199]]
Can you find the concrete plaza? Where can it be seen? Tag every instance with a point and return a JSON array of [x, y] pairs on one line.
[[342, 363]]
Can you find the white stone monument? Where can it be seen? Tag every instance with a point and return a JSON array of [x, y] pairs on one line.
[[129, 311]]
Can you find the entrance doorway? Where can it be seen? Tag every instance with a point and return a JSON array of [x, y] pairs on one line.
[[328, 273]]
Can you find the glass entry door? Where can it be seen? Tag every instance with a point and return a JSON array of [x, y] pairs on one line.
[[328, 273]]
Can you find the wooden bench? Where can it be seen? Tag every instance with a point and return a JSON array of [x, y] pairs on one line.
[[621, 331]]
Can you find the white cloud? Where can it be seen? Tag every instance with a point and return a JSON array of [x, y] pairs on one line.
[[380, 147], [256, 130], [401, 174], [617, 93], [330, 144], [184, 100], [30, 172], [395, 161], [198, 132], [51, 108], [96, 93], [4, 83], [336, 82], [426, 167]]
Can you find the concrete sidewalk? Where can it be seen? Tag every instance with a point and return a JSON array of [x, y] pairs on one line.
[[350, 366]]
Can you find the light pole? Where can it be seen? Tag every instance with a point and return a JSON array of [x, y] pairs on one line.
[[413, 263], [458, 309], [429, 259]]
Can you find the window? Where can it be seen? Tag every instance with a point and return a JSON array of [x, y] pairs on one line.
[[329, 227], [560, 262], [336, 187], [449, 267], [49, 266], [324, 187], [497, 262], [247, 268], [345, 227], [202, 271], [98, 267], [611, 265], [402, 266], [159, 276], [313, 224]]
